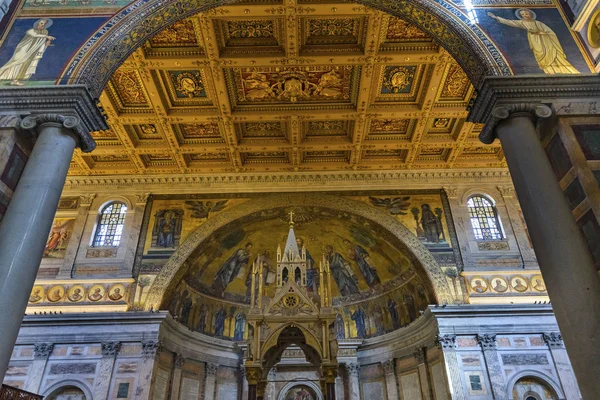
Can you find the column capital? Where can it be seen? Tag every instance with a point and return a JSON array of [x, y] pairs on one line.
[[506, 191], [151, 348], [351, 369], [419, 355], [87, 199], [487, 341], [179, 361], [212, 368], [253, 374], [553, 339], [451, 191], [446, 342], [141, 198], [389, 366], [69, 105], [536, 111], [110, 349], [329, 373], [42, 350]]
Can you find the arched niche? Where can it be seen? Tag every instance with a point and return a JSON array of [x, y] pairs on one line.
[[105, 51], [529, 383], [74, 385], [176, 266], [298, 384]]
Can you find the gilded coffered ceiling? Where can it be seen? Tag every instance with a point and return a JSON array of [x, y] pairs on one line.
[[260, 87]]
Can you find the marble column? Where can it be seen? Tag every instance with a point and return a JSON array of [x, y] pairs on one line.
[[563, 255], [563, 366], [177, 373], [41, 353], [210, 384], [105, 369], [353, 383], [391, 383], [453, 371], [492, 363], [66, 270], [28, 219], [150, 350], [134, 234]]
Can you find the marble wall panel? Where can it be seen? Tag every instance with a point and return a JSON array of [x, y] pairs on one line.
[[411, 387]]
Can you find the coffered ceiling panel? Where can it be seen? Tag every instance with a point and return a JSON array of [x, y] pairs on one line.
[[296, 86]]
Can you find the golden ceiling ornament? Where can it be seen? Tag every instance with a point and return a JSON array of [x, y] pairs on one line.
[[148, 129], [401, 30], [262, 28], [457, 82], [398, 79], [389, 125], [441, 122], [129, 87], [189, 84], [331, 27], [181, 33]]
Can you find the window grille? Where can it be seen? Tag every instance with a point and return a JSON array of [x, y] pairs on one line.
[[484, 219], [110, 225]]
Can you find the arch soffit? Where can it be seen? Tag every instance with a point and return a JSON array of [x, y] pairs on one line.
[[534, 374], [311, 339], [101, 55], [290, 385], [176, 265], [80, 384]]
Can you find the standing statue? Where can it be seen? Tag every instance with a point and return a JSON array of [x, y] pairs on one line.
[[240, 326], [431, 224], [342, 273], [231, 268], [358, 317], [220, 322], [365, 265]]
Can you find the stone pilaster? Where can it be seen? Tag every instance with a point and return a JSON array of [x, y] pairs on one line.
[[563, 366], [490, 354], [83, 212], [270, 392], [134, 233], [210, 384], [179, 362], [453, 371], [391, 382], [421, 359], [41, 353], [110, 350], [352, 370], [150, 350]]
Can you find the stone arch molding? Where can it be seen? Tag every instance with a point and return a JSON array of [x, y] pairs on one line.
[[310, 384], [80, 384], [176, 266], [534, 374], [109, 47]]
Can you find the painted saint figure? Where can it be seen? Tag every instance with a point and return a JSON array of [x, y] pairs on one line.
[[544, 43], [358, 317], [28, 53], [167, 227], [341, 272], [363, 260], [201, 324], [220, 322], [231, 268], [240, 326]]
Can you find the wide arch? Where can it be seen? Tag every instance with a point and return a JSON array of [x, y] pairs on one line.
[[176, 266], [79, 384], [101, 55], [291, 384]]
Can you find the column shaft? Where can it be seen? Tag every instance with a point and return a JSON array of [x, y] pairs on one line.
[[453, 372], [391, 383], [150, 349], [26, 225], [353, 383], [564, 258]]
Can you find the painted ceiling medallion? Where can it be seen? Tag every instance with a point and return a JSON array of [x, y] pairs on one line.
[[398, 79], [188, 83]]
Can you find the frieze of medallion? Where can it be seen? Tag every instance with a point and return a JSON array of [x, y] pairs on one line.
[[274, 86]]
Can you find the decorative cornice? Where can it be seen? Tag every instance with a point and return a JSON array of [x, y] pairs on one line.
[[110, 348], [179, 361], [446, 342], [42, 350], [553, 339], [67, 101], [487, 341], [212, 368], [351, 369], [377, 178]]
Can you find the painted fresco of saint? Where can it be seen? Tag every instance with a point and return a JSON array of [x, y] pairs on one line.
[[230, 269], [28, 53], [364, 262], [544, 43], [341, 272]]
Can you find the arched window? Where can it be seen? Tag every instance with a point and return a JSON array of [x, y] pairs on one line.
[[110, 225], [484, 218]]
